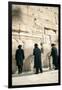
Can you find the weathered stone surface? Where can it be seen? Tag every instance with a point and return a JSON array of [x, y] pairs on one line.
[[32, 25]]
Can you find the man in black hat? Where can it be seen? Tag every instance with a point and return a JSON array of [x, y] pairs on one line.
[[19, 56], [54, 56], [37, 59]]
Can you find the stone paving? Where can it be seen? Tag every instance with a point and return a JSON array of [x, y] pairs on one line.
[[29, 78]]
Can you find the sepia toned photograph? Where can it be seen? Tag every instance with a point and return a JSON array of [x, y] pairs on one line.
[[34, 44]]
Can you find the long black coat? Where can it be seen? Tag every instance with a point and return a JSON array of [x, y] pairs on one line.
[[19, 56], [37, 57], [54, 55]]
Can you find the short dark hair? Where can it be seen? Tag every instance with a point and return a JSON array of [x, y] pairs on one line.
[[19, 46]]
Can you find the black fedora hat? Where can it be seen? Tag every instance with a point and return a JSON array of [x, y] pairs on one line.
[[53, 44], [19, 46]]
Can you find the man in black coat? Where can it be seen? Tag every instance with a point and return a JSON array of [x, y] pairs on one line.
[[54, 55], [19, 56], [37, 59]]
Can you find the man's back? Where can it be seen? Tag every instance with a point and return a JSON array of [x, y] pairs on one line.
[[19, 55], [54, 51], [37, 51]]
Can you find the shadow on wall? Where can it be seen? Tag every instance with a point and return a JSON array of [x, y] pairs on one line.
[[16, 12], [44, 56], [29, 63], [14, 67]]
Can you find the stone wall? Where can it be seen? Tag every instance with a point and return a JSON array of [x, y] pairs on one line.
[[30, 25]]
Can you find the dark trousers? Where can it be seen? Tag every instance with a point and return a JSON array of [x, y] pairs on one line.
[[19, 68], [56, 62], [37, 69]]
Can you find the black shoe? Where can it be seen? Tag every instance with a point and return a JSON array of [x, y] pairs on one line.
[[19, 72], [36, 73], [41, 71], [56, 68]]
